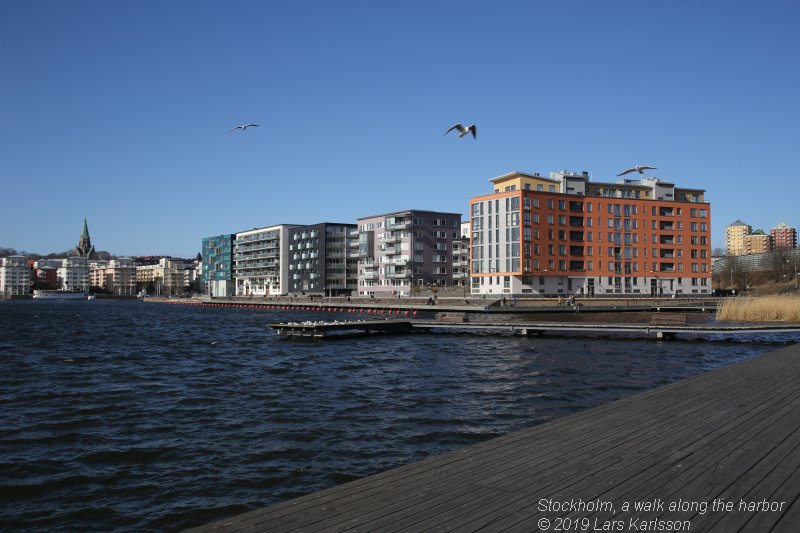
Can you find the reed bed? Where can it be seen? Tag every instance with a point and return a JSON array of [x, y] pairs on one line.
[[761, 309]]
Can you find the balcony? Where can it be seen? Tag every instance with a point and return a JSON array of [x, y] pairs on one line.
[[576, 222], [576, 207], [390, 239], [666, 226], [576, 236], [666, 239], [405, 224], [665, 212], [392, 251], [369, 275], [399, 275], [576, 266], [576, 250]]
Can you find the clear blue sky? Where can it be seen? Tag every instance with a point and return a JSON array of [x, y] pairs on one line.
[[122, 111]]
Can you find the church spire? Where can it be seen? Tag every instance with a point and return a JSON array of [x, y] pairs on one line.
[[85, 247]]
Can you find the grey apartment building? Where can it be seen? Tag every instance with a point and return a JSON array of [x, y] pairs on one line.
[[323, 259], [404, 249]]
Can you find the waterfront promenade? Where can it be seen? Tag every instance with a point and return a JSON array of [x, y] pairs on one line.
[[716, 452]]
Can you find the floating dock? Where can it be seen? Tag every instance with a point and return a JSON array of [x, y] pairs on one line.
[[658, 330], [318, 330], [718, 452]]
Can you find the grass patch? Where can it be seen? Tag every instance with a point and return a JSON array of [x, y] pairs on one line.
[[775, 308]]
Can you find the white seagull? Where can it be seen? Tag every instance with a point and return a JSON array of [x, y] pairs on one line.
[[638, 168], [463, 131], [244, 127]]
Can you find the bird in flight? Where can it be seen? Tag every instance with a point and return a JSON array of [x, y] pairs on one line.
[[638, 168], [463, 131], [244, 127]]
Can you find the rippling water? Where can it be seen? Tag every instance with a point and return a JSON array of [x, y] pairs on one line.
[[122, 415]]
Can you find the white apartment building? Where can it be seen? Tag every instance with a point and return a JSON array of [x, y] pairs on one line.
[[261, 261], [72, 273], [14, 276]]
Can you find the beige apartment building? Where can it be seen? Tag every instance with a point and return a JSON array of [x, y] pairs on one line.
[[168, 276], [735, 234], [117, 276]]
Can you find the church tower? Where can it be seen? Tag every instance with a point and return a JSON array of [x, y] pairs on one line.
[[85, 248]]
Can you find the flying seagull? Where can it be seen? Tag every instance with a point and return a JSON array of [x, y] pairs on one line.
[[243, 127], [463, 131], [638, 168]]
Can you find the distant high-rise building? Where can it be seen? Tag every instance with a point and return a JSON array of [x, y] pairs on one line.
[[783, 237], [85, 247], [734, 237]]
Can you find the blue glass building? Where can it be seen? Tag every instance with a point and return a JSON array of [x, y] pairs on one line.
[[218, 265]]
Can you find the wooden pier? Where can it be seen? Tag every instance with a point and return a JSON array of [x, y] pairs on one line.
[[719, 452]]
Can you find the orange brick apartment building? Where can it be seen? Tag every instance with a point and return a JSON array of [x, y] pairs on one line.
[[567, 235]]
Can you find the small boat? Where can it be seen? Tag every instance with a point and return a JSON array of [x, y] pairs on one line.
[[91, 297], [60, 294]]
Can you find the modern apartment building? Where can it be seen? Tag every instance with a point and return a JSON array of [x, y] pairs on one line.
[[217, 269], [73, 274], [261, 261], [565, 234], [117, 276], [323, 259], [404, 249], [734, 237], [14, 276], [784, 237], [757, 243]]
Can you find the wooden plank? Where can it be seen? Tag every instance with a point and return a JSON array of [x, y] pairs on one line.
[[735, 428]]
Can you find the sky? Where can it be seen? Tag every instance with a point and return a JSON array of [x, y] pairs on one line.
[[121, 111]]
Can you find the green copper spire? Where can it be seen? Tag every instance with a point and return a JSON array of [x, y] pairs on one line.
[[85, 232]]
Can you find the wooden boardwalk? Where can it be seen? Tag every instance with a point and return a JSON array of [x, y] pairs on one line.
[[731, 434]]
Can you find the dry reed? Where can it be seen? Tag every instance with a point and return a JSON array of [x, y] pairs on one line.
[[761, 309]]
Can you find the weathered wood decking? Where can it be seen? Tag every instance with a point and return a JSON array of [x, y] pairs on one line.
[[733, 433]]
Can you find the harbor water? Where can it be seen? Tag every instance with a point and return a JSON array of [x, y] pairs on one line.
[[132, 416]]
